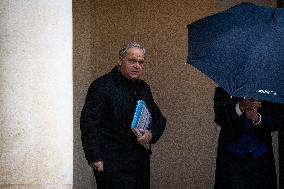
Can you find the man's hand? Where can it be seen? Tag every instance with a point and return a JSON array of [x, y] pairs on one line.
[[145, 138], [249, 103], [98, 166]]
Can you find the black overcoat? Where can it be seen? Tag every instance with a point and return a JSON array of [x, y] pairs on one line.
[[106, 134]]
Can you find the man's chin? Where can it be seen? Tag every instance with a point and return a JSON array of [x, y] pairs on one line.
[[134, 77]]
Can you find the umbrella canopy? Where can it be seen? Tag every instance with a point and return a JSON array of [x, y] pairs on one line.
[[242, 50]]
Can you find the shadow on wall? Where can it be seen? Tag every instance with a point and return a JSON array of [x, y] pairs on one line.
[[83, 71]]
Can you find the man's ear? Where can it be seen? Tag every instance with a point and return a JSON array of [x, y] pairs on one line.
[[119, 62]]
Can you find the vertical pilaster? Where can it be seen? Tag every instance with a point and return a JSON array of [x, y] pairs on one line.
[[36, 126]]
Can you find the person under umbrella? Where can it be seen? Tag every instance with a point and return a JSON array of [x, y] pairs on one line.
[[241, 49], [245, 154]]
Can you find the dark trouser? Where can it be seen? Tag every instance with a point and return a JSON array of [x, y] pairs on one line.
[[125, 173], [233, 172]]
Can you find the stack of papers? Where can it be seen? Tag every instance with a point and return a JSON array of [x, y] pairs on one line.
[[142, 118]]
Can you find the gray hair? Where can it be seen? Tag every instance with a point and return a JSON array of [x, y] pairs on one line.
[[124, 48]]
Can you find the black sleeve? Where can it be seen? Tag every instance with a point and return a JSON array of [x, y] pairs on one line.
[[225, 109], [90, 121], [158, 120]]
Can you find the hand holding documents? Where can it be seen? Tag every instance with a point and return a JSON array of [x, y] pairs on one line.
[[141, 122], [142, 118], [145, 139]]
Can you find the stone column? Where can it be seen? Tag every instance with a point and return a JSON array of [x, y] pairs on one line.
[[36, 121]]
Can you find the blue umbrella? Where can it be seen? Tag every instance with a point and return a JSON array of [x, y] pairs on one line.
[[242, 50]]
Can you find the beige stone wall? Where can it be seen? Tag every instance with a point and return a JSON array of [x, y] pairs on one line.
[[185, 156]]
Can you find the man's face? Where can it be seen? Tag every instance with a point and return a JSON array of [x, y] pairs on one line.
[[131, 65]]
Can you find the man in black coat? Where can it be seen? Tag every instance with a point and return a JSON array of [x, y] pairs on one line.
[[120, 159], [245, 155]]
